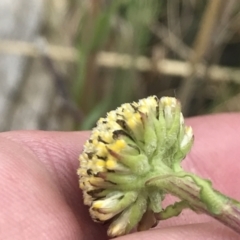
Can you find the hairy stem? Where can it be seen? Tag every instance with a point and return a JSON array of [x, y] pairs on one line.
[[200, 196]]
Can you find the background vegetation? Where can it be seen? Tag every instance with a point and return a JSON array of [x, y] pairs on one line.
[[123, 50]]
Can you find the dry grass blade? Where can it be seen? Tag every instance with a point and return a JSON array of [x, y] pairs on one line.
[[115, 60]]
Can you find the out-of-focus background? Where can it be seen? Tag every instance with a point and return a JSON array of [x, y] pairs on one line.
[[65, 63]]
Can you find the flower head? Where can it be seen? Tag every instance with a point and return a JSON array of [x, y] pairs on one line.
[[132, 144]]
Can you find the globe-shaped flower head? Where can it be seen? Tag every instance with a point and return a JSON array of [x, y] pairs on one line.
[[136, 142]]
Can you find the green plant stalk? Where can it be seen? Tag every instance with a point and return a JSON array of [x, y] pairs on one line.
[[197, 193]]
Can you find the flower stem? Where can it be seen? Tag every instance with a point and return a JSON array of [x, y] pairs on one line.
[[197, 194]]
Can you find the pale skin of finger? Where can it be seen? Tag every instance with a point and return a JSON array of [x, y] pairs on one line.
[[40, 198]]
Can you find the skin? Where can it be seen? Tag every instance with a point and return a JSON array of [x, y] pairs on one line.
[[40, 198]]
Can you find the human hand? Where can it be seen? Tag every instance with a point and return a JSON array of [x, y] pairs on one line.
[[40, 197]]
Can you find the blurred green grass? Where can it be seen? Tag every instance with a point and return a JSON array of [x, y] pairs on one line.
[[123, 26]]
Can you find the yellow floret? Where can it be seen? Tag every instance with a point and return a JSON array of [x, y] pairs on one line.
[[100, 163], [101, 149], [100, 121], [118, 145], [94, 141], [107, 137], [143, 109], [128, 114], [112, 116], [169, 101], [131, 123], [134, 120], [95, 134], [97, 204], [82, 172], [111, 163]]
